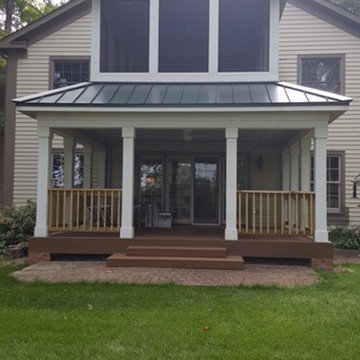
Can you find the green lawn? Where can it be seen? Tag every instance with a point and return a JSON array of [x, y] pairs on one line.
[[104, 321]]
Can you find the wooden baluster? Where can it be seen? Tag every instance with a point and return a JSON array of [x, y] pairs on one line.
[[282, 213], [275, 215], [311, 213], [98, 211], [289, 213], [105, 209], [261, 212], [50, 210], [57, 214], [303, 215], [64, 209], [118, 210], [71, 209], [254, 212], [78, 211], [247, 213], [112, 211], [84, 210], [268, 213], [91, 210], [297, 213], [239, 212]]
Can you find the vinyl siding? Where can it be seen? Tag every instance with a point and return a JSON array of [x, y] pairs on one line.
[[302, 33], [33, 77]]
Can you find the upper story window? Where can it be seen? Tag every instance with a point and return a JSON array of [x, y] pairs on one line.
[[185, 40], [244, 37], [124, 36], [183, 35], [69, 72], [322, 72]]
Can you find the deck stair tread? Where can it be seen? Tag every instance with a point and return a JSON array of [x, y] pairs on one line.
[[176, 251], [229, 262]]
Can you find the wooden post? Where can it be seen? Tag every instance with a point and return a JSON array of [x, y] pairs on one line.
[[43, 181], [231, 232], [127, 228]]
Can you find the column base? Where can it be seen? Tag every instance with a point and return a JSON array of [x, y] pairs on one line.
[[126, 233], [231, 234], [41, 231], [321, 236]]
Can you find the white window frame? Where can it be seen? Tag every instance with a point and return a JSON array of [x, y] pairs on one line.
[[213, 75], [341, 184]]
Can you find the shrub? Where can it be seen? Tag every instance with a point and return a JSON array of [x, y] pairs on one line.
[[345, 237], [16, 225]]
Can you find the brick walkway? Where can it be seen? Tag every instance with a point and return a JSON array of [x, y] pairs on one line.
[[96, 271]]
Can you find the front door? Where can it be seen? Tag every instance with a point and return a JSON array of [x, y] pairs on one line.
[[206, 190]]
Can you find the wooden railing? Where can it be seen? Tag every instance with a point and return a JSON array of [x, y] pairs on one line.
[[276, 212], [84, 209]]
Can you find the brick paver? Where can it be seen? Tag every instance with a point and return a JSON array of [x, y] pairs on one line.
[[96, 271]]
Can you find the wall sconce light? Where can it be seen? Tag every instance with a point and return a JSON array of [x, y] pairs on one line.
[[260, 162], [150, 180], [356, 183]]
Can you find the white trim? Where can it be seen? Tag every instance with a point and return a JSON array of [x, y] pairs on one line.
[[266, 109], [212, 75]]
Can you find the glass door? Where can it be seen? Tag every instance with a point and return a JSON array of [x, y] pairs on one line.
[[206, 190], [179, 180]]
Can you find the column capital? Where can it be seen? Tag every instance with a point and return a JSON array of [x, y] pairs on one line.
[[44, 131], [231, 133], [305, 142], [128, 132], [321, 132]]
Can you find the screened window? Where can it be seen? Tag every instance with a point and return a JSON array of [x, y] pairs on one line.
[[324, 73], [69, 72], [57, 173], [124, 36], [183, 35], [243, 42], [333, 181]]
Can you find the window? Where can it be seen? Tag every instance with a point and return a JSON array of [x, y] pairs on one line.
[[324, 73], [57, 173], [183, 35], [334, 193], [124, 36], [243, 42], [69, 72]]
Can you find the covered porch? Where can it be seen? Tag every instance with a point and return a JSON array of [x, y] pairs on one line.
[[241, 168]]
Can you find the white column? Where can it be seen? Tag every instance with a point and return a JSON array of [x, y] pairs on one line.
[[69, 151], [294, 166], [87, 166], [127, 206], [231, 231], [286, 170], [321, 234], [305, 157], [101, 168], [305, 168], [294, 177], [43, 181]]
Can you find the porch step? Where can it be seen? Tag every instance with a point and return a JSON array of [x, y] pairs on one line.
[[176, 251], [228, 263]]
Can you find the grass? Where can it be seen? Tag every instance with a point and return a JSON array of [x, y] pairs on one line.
[[104, 321]]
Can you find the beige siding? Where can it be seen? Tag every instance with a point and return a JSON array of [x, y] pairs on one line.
[[33, 77], [303, 33]]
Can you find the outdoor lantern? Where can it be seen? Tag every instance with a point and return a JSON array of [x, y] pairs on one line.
[[356, 182]]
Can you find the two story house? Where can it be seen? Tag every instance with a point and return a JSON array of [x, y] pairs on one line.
[[168, 136]]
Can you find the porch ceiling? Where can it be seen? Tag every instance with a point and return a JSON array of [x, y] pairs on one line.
[[269, 94]]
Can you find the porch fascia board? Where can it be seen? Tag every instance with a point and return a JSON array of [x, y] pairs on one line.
[[297, 121]]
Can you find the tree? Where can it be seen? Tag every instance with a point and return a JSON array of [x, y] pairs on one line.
[[350, 5]]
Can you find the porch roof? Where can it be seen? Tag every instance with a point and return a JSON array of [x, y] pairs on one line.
[[267, 94]]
